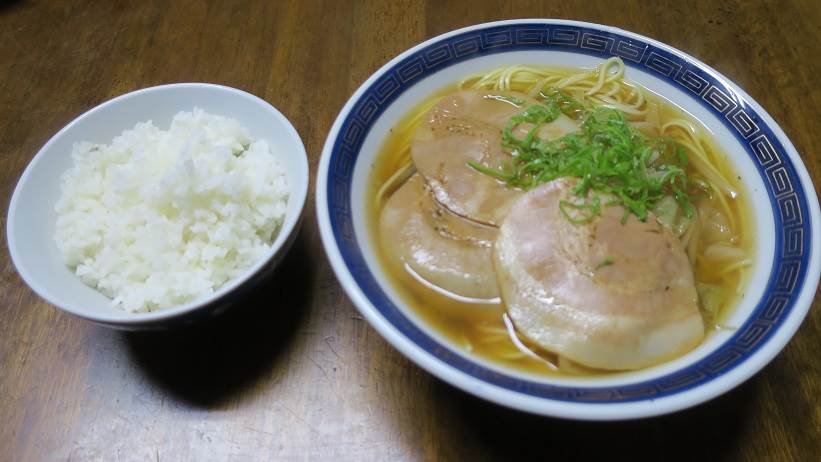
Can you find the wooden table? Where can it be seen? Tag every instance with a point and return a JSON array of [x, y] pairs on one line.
[[296, 374]]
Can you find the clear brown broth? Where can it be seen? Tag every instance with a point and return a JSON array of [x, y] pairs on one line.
[[473, 327]]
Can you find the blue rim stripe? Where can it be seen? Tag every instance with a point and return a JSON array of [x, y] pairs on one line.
[[793, 231]]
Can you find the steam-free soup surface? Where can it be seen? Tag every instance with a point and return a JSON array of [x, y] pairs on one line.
[[466, 122]]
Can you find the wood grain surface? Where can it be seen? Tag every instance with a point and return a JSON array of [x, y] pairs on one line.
[[296, 373]]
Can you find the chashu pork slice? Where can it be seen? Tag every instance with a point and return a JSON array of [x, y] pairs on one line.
[[467, 126], [445, 250], [604, 294]]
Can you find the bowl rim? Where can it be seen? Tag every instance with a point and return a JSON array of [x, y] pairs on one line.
[[154, 317], [546, 406]]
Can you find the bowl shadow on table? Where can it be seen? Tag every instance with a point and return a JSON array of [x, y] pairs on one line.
[[208, 363], [710, 431]]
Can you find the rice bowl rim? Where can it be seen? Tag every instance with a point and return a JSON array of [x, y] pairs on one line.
[[289, 224]]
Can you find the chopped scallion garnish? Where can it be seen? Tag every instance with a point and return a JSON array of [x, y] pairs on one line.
[[608, 156]]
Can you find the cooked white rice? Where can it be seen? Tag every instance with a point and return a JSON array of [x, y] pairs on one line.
[[160, 218]]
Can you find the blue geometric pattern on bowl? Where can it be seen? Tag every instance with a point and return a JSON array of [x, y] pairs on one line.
[[787, 196]]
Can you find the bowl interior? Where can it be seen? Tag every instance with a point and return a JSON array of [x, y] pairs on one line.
[[756, 191], [32, 218]]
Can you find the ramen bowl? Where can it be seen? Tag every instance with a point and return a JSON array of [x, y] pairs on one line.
[[782, 279]]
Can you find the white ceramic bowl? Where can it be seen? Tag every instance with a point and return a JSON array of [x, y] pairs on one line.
[[786, 216], [31, 218]]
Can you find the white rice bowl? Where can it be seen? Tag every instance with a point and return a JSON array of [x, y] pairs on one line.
[[159, 218]]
